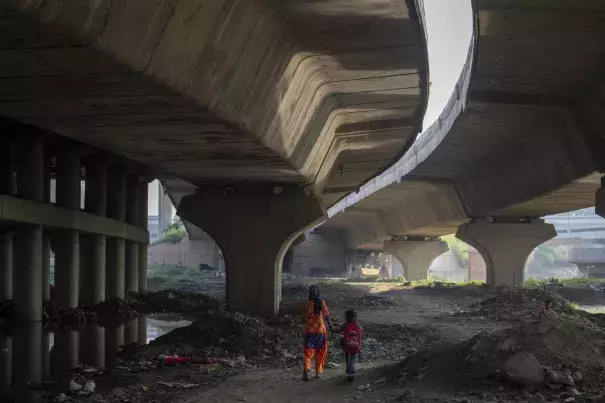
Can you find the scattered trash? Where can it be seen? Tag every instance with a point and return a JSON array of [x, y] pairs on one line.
[[332, 365], [74, 387], [63, 398], [364, 387], [89, 387], [176, 360]]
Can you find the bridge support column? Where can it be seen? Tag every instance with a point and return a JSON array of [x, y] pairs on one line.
[[116, 257], [143, 196], [505, 246], [7, 172], [27, 277], [67, 258], [253, 226], [415, 256], [116, 247]]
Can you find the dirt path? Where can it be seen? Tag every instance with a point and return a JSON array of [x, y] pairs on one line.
[[286, 386], [386, 311]]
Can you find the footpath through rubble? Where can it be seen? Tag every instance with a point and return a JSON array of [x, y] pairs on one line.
[[444, 344]]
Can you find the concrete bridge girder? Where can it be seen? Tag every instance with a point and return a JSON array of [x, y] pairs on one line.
[[516, 137], [297, 91]]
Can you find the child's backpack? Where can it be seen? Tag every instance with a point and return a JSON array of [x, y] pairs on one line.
[[352, 339]]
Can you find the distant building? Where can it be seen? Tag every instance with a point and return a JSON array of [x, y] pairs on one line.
[[153, 225]]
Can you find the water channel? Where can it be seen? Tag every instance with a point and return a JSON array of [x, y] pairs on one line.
[[31, 356]]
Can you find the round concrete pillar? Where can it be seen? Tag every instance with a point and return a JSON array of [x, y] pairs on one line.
[[67, 254], [132, 267], [6, 265], [95, 202], [143, 199], [116, 257]]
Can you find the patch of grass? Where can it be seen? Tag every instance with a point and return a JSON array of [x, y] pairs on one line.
[[578, 281]]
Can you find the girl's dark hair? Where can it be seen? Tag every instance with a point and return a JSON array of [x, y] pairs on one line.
[[350, 316]]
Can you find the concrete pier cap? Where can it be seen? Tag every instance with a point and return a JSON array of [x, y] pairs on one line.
[[254, 225], [415, 254], [505, 244]]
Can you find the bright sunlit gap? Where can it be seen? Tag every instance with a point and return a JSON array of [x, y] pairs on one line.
[[449, 30]]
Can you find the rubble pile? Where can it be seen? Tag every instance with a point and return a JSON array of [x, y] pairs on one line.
[[112, 311], [537, 354], [174, 301], [58, 316], [236, 336], [518, 304]]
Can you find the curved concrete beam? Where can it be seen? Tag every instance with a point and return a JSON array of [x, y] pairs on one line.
[[523, 137], [323, 93]]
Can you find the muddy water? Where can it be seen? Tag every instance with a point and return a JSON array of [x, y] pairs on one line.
[[30, 356]]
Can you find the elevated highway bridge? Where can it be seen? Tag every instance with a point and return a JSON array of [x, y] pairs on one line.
[[522, 137]]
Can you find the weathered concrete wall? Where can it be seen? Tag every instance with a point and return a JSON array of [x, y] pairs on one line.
[[186, 253], [319, 251]]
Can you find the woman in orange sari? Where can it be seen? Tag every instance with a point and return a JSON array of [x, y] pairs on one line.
[[316, 337]]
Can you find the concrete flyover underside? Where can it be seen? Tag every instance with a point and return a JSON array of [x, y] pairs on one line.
[[522, 136], [323, 94]]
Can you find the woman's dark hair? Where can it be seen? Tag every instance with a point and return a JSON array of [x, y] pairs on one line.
[[314, 296], [350, 316]]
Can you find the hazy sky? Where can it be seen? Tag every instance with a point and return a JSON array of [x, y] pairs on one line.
[[449, 26], [152, 203]]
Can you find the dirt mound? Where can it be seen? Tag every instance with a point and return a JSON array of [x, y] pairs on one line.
[[582, 295], [566, 343], [519, 304], [175, 302], [113, 311], [58, 316]]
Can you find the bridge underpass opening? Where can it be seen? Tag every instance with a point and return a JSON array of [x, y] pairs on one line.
[[577, 251], [186, 258]]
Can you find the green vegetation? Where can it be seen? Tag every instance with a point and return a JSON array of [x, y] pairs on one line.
[[172, 276], [429, 282], [578, 281], [172, 271], [459, 248], [174, 234]]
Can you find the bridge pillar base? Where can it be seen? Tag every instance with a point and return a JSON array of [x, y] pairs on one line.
[[253, 226], [505, 247], [415, 256]]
